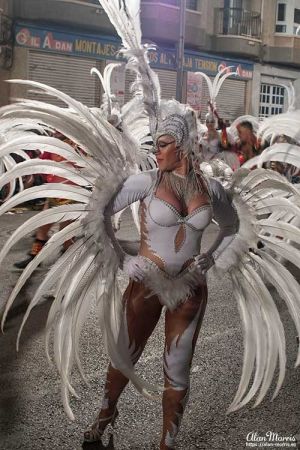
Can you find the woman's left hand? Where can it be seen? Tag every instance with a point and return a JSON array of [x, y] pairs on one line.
[[204, 261]]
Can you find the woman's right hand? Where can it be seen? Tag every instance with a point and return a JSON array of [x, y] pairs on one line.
[[133, 267], [204, 262]]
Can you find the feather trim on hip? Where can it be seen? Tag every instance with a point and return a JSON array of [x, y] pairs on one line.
[[171, 291]]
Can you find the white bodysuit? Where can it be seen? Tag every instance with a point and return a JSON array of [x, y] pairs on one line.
[[210, 148], [170, 241]]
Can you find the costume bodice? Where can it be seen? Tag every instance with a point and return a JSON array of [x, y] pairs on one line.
[[171, 237], [210, 147], [168, 238], [164, 214]]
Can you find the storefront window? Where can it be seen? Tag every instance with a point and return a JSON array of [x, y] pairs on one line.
[[271, 100]]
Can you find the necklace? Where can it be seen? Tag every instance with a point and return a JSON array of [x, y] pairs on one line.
[[185, 187], [179, 175]]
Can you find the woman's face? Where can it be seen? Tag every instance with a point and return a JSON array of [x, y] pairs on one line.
[[210, 125], [167, 153]]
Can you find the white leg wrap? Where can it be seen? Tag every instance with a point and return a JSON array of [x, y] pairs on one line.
[[178, 358]]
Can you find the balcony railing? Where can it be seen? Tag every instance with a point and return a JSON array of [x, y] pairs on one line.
[[190, 4], [237, 22]]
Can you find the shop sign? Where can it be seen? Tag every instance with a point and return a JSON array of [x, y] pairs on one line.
[[105, 48]]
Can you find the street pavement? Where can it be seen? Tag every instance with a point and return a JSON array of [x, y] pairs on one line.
[[32, 417]]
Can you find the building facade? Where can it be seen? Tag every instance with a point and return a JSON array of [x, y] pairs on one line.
[[57, 42]]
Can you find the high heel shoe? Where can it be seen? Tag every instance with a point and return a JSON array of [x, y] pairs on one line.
[[96, 431]]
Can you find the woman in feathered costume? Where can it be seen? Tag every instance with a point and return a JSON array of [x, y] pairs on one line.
[[213, 137], [177, 204]]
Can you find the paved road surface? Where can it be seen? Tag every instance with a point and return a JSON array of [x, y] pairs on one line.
[[32, 417]]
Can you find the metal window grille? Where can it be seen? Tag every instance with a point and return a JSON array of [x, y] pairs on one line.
[[237, 21], [271, 100]]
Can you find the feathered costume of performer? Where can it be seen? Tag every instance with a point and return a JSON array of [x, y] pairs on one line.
[[10, 130], [215, 143], [177, 203]]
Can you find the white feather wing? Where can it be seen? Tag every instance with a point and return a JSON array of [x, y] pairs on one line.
[[264, 201], [88, 269]]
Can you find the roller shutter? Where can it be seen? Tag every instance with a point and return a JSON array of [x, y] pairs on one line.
[[167, 79], [231, 101], [129, 79], [69, 74]]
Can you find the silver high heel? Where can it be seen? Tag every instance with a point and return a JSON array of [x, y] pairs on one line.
[[96, 431]]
